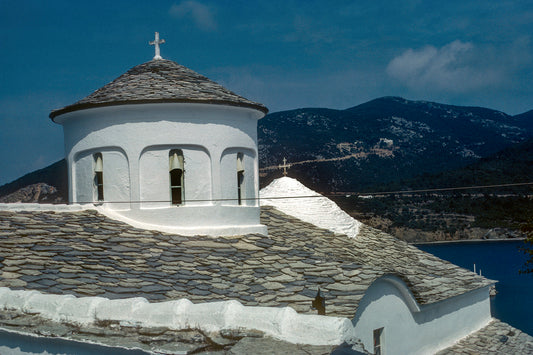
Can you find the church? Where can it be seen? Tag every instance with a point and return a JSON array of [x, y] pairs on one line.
[[166, 246], [164, 147]]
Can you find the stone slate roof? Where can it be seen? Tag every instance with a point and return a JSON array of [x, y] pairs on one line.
[[156, 81], [496, 338], [88, 254]]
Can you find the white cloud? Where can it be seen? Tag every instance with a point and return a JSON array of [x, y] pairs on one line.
[[201, 14], [456, 67]]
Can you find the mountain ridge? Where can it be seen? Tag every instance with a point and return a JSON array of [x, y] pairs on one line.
[[390, 138], [54, 175]]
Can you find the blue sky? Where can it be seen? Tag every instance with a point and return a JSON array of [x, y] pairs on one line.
[[285, 54]]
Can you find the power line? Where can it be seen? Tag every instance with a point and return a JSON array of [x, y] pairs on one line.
[[331, 194], [431, 190]]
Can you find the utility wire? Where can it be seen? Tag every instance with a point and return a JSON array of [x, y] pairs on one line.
[[331, 194], [432, 190]]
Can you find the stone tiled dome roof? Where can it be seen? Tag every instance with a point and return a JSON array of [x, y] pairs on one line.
[[157, 81]]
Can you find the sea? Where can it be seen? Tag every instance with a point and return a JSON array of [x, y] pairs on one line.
[[501, 261]]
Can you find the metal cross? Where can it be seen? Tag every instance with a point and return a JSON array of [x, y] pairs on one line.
[[284, 166], [156, 43]]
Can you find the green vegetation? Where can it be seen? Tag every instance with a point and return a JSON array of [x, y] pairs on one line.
[[490, 211], [444, 212], [510, 166], [453, 214], [528, 248]]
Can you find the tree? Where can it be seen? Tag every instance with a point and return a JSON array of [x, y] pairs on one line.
[[527, 228]]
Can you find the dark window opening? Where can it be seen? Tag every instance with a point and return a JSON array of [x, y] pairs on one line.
[[175, 186], [99, 185], [378, 341], [176, 177], [99, 176], [240, 178]]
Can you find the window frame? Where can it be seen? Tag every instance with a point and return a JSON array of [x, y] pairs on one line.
[[176, 166], [98, 177], [378, 341], [240, 178]]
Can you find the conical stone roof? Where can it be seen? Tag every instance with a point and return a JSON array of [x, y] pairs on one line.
[[157, 81]]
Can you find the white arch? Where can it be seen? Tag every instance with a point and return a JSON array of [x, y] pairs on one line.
[[411, 328]]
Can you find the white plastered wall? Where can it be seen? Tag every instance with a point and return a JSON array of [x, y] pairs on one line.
[[154, 176], [115, 175], [413, 329], [145, 133], [228, 168]]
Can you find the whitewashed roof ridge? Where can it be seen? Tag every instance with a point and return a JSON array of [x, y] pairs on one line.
[[293, 198]]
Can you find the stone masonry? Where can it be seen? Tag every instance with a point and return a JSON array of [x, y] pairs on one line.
[[87, 254]]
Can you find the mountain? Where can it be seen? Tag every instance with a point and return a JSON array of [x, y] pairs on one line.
[[509, 166], [380, 141], [525, 120], [35, 193], [47, 185], [456, 214]]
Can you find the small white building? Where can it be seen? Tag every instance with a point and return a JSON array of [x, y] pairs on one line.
[[400, 300], [165, 147]]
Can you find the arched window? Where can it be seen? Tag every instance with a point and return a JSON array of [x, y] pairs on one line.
[[99, 176], [176, 176], [240, 177]]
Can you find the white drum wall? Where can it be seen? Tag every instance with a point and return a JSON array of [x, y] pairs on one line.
[[135, 141]]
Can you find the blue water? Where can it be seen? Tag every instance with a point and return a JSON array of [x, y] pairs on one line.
[[498, 261]]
